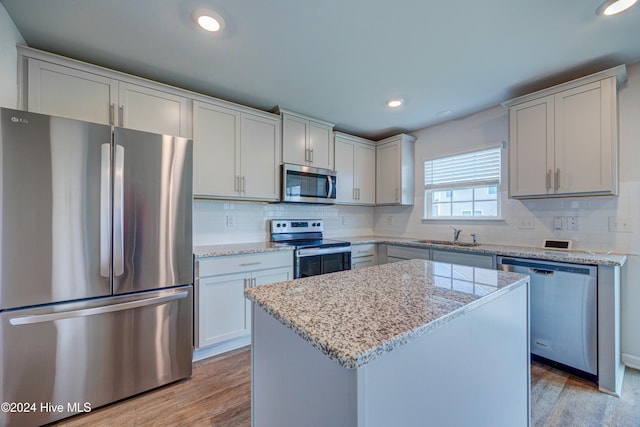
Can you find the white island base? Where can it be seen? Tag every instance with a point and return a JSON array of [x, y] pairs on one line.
[[472, 371]]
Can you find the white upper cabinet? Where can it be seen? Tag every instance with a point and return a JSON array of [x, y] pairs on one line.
[[85, 92], [395, 170], [563, 141], [306, 141], [152, 110], [355, 164], [236, 153]]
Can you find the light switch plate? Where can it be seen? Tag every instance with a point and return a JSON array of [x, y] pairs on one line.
[[558, 223]]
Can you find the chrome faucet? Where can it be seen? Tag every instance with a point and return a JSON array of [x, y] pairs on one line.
[[456, 233], [475, 238]]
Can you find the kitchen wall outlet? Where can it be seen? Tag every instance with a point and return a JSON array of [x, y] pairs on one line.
[[229, 221], [389, 219], [526, 223], [572, 223], [345, 220], [620, 225], [558, 223]]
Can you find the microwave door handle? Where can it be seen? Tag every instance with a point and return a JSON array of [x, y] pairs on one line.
[[330, 186]]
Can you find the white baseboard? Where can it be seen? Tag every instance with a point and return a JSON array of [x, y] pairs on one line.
[[631, 361], [214, 350]]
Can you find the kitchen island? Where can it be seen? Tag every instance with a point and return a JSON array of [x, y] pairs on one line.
[[409, 343]]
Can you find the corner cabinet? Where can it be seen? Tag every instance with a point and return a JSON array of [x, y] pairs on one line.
[[223, 315], [355, 164], [306, 141], [563, 141], [395, 170], [236, 153], [64, 87]]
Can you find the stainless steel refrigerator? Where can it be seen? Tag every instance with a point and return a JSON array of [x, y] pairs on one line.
[[95, 265]]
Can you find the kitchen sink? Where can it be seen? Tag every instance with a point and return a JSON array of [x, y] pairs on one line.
[[447, 243]]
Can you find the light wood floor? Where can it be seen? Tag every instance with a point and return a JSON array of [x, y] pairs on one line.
[[219, 394]]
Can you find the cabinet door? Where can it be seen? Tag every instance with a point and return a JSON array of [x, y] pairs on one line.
[[321, 145], [222, 308], [295, 133], [584, 139], [260, 157], [366, 173], [531, 142], [71, 93], [345, 153], [388, 174], [265, 277], [216, 157], [151, 110]]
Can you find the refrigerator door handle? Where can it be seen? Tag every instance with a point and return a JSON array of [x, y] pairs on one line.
[[118, 212], [105, 210], [42, 318]]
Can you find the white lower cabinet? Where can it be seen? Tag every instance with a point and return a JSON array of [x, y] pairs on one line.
[[223, 315], [363, 255]]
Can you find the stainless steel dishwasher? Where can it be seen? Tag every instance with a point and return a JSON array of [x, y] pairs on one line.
[[563, 312]]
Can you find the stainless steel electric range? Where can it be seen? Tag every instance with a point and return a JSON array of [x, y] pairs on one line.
[[313, 254]]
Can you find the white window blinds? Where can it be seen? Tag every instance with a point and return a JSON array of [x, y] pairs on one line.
[[480, 168]]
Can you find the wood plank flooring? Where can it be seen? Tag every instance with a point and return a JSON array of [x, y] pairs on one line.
[[219, 394]]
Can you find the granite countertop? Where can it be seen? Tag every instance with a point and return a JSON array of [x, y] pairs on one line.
[[576, 256], [356, 316], [238, 249]]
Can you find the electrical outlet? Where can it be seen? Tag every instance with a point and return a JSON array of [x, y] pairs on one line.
[[345, 220], [572, 223], [389, 219], [526, 223], [229, 221], [620, 225]]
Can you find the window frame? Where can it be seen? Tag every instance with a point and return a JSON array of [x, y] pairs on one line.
[[428, 192]]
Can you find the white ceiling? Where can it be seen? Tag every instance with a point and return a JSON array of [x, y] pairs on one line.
[[340, 60]]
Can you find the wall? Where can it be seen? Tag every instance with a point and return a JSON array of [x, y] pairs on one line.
[[9, 37], [593, 213], [217, 222]]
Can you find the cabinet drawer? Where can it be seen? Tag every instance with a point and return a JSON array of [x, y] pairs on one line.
[[403, 252], [367, 249], [463, 258], [248, 262]]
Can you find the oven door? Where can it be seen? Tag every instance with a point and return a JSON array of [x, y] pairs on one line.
[[314, 261]]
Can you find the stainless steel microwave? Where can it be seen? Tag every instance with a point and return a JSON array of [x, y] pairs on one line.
[[306, 184]]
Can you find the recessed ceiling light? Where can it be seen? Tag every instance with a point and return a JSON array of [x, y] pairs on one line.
[[395, 102], [613, 7], [209, 21]]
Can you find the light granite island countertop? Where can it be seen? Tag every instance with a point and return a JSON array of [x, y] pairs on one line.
[[392, 344]]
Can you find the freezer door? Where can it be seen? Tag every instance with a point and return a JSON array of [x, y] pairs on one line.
[[152, 187], [52, 189], [84, 355]]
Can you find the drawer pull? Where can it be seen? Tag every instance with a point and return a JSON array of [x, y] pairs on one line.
[[246, 264]]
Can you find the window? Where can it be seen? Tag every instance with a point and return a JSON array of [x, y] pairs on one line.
[[465, 186]]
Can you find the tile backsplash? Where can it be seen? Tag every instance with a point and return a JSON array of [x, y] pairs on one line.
[[221, 222]]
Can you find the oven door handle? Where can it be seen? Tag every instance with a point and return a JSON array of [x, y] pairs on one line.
[[301, 253]]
